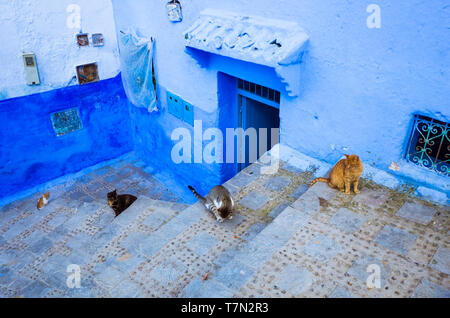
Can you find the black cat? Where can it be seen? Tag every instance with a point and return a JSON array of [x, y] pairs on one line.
[[120, 203]]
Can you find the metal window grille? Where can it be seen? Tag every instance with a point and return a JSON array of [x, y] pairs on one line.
[[429, 144], [259, 90]]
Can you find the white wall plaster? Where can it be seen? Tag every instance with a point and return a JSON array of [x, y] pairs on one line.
[[41, 27]]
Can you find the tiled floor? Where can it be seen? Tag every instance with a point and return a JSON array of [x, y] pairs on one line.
[[285, 240]]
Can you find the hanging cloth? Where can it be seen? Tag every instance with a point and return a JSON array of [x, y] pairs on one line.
[[136, 60]]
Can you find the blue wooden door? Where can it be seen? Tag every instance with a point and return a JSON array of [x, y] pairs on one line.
[[255, 115]]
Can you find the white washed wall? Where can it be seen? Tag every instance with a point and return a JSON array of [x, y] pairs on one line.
[[41, 27]]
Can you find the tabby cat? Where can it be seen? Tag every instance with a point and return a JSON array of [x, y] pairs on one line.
[[218, 201], [344, 173], [120, 203]]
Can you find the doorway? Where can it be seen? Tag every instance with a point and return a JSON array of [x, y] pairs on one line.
[[259, 117]]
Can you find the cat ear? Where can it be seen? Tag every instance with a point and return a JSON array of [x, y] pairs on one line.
[[346, 156]]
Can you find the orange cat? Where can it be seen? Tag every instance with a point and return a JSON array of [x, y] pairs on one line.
[[43, 200], [344, 173]]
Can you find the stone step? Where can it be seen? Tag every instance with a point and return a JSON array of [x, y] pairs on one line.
[[155, 243], [150, 211], [97, 254], [190, 239], [235, 272], [282, 234], [152, 229]]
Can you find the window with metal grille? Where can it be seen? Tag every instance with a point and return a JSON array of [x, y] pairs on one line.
[[259, 90], [429, 144]]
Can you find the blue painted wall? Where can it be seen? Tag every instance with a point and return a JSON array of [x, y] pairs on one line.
[[153, 144], [359, 87], [152, 131], [359, 90], [48, 28], [32, 154]]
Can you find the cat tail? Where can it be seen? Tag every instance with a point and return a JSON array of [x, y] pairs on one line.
[[319, 179], [198, 196]]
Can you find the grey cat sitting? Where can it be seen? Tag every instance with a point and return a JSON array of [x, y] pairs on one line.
[[218, 201]]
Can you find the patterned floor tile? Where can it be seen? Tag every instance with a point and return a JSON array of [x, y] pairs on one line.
[[441, 260], [294, 280], [254, 200], [201, 243], [340, 292], [309, 242], [167, 272], [396, 239], [427, 289], [322, 248], [277, 183], [364, 267], [417, 212], [233, 275], [347, 220]]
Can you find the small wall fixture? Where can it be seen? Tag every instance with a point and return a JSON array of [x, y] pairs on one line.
[[174, 11], [97, 39], [82, 39], [66, 121], [31, 71], [87, 73], [180, 108]]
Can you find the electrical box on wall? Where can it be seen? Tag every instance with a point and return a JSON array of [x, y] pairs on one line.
[[31, 71], [174, 104], [82, 39], [87, 73], [180, 108], [97, 39], [188, 113], [174, 11]]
